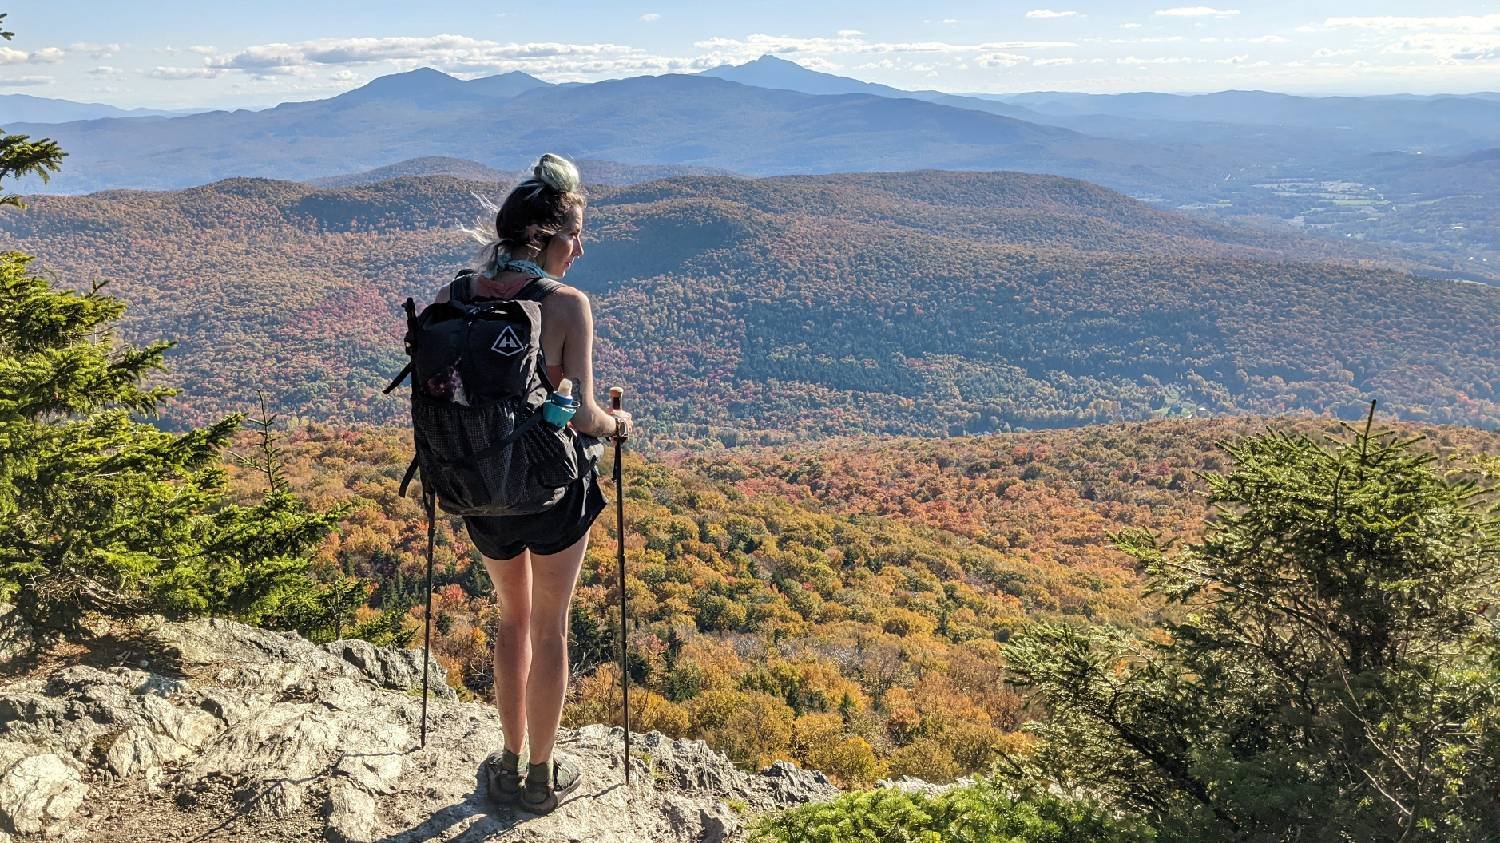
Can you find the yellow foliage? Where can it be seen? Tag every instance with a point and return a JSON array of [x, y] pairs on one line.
[[850, 761]]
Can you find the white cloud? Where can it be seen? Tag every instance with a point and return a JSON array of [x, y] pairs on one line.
[[1048, 13], [1135, 60], [1239, 59], [178, 73], [1196, 12], [46, 55], [752, 46], [1460, 23], [1130, 26], [1328, 53], [457, 54], [950, 21], [202, 50], [991, 60], [1458, 38], [25, 81], [1058, 62], [98, 51], [649, 17], [849, 33], [1259, 39], [107, 72]]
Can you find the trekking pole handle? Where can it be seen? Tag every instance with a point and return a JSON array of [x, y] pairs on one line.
[[616, 394]]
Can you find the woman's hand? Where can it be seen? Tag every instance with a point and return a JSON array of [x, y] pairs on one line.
[[621, 432]]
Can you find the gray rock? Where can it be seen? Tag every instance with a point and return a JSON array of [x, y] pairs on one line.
[[290, 740], [17, 638], [38, 792], [794, 785], [351, 814], [388, 667], [910, 784]]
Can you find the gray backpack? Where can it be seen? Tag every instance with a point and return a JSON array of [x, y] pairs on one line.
[[478, 381]]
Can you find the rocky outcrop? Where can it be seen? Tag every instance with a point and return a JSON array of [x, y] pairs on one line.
[[211, 730]]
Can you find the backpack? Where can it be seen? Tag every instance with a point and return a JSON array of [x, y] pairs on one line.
[[478, 382]]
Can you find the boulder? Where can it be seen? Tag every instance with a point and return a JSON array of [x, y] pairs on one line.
[[38, 792]]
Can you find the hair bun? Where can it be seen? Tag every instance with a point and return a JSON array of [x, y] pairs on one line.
[[557, 173]]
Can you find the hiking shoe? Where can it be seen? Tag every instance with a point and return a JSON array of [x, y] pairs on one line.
[[546, 784], [503, 775]]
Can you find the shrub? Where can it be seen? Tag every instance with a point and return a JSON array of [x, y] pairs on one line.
[[984, 812]]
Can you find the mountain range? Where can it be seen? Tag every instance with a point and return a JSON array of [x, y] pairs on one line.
[[599, 172], [740, 310], [24, 108], [1348, 168]]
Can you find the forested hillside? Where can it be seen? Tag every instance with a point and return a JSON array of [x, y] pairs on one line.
[[761, 310], [600, 172], [843, 605]]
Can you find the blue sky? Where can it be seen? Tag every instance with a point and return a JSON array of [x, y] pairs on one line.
[[174, 54]]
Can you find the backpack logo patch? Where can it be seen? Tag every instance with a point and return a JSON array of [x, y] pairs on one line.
[[508, 343]]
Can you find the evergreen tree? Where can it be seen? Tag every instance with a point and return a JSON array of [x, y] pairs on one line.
[[22, 156], [1335, 672], [101, 511]]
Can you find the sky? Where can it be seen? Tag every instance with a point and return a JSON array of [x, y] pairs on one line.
[[172, 54]]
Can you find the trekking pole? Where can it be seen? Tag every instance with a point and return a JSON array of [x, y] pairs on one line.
[[430, 501], [616, 394]]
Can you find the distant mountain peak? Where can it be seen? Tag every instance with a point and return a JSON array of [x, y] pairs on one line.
[[768, 71], [769, 60], [514, 75], [420, 81]]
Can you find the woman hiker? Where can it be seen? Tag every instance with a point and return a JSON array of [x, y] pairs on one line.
[[533, 560]]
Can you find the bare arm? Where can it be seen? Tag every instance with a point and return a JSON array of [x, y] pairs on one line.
[[578, 363]]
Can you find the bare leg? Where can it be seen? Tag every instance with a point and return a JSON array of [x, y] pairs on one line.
[[553, 580], [512, 581]]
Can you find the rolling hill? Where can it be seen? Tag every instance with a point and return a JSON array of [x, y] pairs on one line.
[[1407, 172], [763, 310], [600, 172]]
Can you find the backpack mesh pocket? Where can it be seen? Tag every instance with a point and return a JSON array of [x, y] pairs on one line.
[[471, 459], [554, 460]]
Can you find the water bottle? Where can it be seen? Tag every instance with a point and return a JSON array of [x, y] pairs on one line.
[[560, 406]]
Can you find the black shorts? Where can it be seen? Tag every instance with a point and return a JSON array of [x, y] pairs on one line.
[[552, 531]]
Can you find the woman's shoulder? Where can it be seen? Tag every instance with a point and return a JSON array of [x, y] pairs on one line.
[[566, 297]]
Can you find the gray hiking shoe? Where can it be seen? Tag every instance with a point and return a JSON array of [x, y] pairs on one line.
[[503, 775], [547, 783]]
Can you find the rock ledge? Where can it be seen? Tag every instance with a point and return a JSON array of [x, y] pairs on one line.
[[219, 731]]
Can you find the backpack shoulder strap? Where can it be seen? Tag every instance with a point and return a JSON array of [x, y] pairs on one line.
[[461, 288], [537, 289]]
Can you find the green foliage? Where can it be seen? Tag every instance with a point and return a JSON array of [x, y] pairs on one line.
[[22, 156], [101, 512], [1334, 675], [984, 812]]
